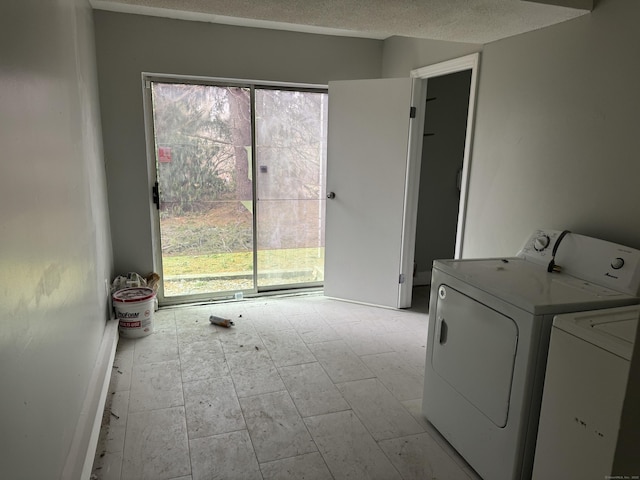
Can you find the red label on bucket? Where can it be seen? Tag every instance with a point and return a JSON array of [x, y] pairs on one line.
[[130, 324]]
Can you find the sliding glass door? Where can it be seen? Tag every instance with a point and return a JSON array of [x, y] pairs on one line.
[[291, 170], [229, 220]]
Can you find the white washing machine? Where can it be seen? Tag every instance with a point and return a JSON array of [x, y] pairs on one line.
[[489, 327], [584, 392]]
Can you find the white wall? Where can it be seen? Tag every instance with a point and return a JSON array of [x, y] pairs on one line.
[[128, 45], [557, 133], [55, 250]]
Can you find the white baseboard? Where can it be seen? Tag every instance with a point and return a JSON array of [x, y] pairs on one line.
[[85, 440], [422, 278], [357, 302]]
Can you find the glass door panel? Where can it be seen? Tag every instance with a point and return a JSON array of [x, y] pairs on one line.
[[203, 160], [290, 177]]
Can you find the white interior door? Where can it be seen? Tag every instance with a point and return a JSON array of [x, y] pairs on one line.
[[368, 168]]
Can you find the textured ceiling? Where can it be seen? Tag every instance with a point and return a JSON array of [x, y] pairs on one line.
[[472, 21]]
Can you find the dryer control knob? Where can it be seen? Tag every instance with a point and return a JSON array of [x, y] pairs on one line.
[[541, 242], [617, 263], [442, 292]]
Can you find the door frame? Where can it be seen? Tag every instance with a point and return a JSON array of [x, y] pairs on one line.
[[422, 75], [468, 62], [149, 77]]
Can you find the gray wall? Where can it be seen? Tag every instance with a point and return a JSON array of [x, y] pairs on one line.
[[626, 456], [55, 251], [403, 54], [556, 130], [130, 44], [557, 133]]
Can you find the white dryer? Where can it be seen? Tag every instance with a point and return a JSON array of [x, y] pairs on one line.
[[489, 327]]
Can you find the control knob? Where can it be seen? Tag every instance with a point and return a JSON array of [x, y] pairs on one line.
[[617, 263], [541, 242]]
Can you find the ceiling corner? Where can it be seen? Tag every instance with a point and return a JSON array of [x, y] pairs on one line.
[[579, 4]]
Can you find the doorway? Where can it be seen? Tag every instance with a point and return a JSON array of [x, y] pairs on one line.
[[445, 125], [444, 159], [239, 173]]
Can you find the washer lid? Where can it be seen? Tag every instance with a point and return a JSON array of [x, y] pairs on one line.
[[530, 287], [612, 329]]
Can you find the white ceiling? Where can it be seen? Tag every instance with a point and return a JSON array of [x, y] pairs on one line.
[[472, 21]]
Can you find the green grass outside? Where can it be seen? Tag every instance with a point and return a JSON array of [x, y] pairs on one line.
[[284, 259]]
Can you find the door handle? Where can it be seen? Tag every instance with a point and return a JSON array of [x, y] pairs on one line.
[[442, 336], [331, 195], [155, 192]]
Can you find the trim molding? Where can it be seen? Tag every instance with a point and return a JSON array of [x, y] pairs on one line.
[[79, 462], [121, 7]]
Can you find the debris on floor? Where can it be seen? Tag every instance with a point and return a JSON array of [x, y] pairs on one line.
[[129, 280], [221, 322], [153, 280]]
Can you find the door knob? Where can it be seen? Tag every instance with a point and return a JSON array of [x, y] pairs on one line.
[[331, 195]]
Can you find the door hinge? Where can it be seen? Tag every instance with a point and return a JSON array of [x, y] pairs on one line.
[[401, 278], [155, 191], [412, 112]]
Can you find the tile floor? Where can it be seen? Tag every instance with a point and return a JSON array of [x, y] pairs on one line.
[[302, 387]]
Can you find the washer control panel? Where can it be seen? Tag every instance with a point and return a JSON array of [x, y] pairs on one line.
[[598, 261], [541, 243], [539, 246]]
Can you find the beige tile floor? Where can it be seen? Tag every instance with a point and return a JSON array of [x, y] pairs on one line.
[[302, 387]]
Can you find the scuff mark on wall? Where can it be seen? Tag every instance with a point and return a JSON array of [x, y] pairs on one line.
[[50, 281]]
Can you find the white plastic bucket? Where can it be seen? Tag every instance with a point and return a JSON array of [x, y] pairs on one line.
[[134, 310]]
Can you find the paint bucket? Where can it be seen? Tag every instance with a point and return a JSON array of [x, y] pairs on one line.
[[134, 311]]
